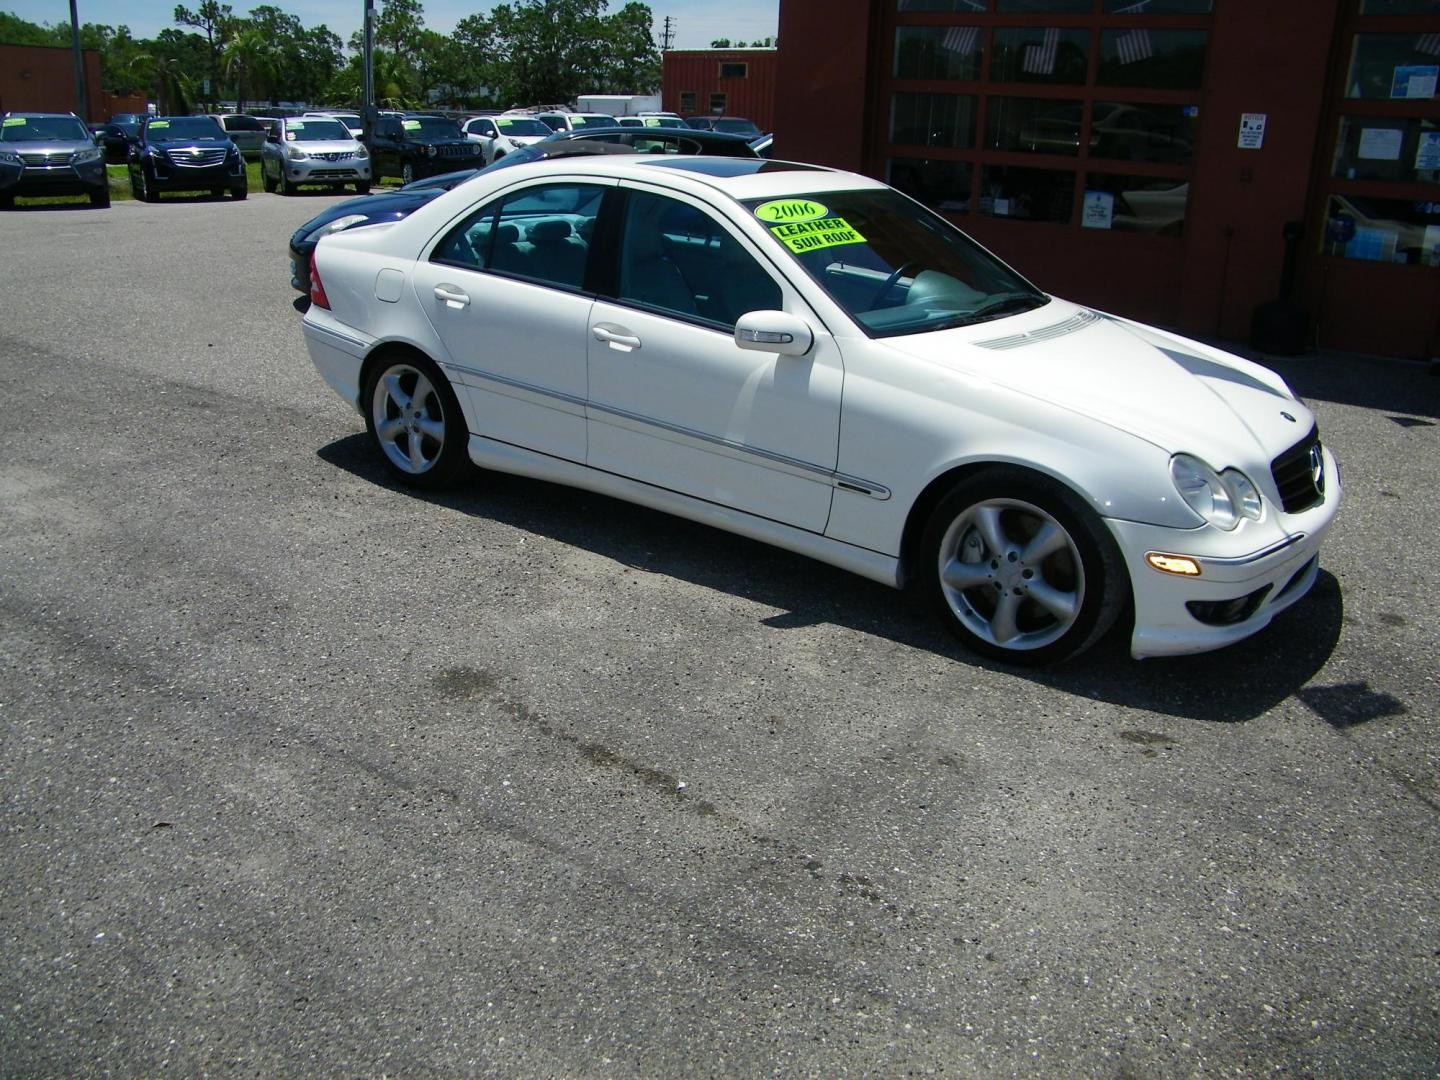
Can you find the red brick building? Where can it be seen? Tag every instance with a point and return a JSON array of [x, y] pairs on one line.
[[40, 78], [1146, 156], [732, 82]]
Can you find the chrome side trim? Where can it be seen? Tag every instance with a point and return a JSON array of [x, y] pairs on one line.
[[344, 339], [836, 479], [1253, 557]]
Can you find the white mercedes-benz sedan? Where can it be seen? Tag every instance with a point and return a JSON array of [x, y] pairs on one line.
[[809, 358]]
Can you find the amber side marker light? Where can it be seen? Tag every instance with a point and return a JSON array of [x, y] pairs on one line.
[[1182, 565]]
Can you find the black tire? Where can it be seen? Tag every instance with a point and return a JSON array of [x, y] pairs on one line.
[[217, 192], [407, 174], [431, 462], [265, 181], [362, 187], [1021, 569], [7, 202], [146, 192], [239, 193], [100, 199], [286, 188]]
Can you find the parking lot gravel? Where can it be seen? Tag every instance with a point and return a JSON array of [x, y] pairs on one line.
[[303, 774]]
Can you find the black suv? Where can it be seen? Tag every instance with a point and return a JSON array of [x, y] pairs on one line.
[[50, 154], [414, 146], [185, 153]]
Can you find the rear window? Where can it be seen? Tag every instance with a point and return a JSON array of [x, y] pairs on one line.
[[243, 123]]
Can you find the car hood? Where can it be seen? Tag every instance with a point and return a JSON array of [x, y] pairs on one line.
[[326, 146], [49, 146], [397, 202], [1175, 393]]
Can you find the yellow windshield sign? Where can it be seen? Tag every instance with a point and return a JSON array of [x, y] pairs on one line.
[[14, 121], [156, 125], [410, 125], [790, 210], [803, 236]]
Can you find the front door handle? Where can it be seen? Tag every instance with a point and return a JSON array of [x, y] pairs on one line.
[[617, 337], [452, 296]]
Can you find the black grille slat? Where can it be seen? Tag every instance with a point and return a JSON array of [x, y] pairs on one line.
[[1293, 478]]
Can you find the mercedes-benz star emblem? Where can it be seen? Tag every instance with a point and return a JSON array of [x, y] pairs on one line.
[[1317, 468]]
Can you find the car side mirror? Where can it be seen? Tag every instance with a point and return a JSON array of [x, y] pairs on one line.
[[774, 332]]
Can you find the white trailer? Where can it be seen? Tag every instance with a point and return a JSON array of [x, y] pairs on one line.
[[618, 104]]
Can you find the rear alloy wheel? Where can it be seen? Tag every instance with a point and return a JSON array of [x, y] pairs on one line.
[[415, 421], [1022, 570]]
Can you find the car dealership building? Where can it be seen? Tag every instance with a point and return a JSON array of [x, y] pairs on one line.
[[1154, 158]]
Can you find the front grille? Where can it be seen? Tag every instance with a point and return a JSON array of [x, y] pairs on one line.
[[464, 150], [332, 174], [196, 159], [339, 155], [59, 157], [1295, 475]]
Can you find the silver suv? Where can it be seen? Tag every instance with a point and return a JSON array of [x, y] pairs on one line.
[[50, 154], [313, 150]]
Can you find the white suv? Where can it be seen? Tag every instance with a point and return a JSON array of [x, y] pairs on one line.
[[499, 135]]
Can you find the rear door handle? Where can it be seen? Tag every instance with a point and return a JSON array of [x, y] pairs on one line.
[[452, 296], [616, 337]]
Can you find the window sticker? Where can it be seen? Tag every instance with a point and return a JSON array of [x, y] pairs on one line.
[[289, 136], [504, 124], [790, 210], [14, 121], [296, 125], [158, 124], [411, 125], [653, 121], [803, 236]]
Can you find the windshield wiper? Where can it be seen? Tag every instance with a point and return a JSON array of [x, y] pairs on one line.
[[996, 307]]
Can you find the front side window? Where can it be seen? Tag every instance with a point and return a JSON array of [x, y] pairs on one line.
[[541, 233], [677, 259], [895, 267]]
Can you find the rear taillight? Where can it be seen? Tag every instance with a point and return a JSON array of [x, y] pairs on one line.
[[317, 287]]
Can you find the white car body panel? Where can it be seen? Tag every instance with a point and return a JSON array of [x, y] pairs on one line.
[[828, 453]]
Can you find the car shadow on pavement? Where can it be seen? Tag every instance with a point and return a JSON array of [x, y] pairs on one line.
[[31, 208], [1234, 684], [1402, 387]]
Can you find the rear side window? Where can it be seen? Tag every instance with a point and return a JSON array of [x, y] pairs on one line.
[[541, 233], [243, 123]]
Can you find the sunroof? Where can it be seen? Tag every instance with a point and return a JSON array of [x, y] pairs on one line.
[[724, 166]]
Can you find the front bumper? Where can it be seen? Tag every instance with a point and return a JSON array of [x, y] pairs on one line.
[[40, 180], [319, 171], [167, 176], [1238, 591]]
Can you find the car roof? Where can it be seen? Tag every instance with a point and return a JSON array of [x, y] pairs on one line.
[[37, 115]]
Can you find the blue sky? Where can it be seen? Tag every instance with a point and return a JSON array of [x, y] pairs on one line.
[[697, 22]]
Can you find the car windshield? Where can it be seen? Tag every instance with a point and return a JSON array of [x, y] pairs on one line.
[[316, 130], [43, 129], [591, 121], [430, 127], [181, 128], [521, 126], [894, 267]]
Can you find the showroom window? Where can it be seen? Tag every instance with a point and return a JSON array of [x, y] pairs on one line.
[[1075, 113], [1381, 198]]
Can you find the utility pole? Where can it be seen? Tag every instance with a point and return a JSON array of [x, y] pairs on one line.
[[368, 114], [667, 36], [81, 101]]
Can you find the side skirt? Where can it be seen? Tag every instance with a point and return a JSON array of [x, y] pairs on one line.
[[503, 457]]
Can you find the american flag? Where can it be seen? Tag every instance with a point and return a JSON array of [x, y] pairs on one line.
[[1134, 45], [1040, 59], [961, 39], [1428, 43]]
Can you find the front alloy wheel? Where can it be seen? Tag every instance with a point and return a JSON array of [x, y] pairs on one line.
[[415, 421], [1023, 571]]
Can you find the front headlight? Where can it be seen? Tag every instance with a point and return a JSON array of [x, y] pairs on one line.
[[361, 152], [1221, 499], [337, 225], [9, 157], [294, 153], [85, 157], [430, 151]]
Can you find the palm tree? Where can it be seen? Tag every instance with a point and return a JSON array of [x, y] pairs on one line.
[[250, 59]]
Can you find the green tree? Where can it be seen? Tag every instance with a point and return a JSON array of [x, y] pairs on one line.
[[214, 20], [249, 60]]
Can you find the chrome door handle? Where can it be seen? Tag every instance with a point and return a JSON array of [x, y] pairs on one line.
[[616, 338], [452, 296]]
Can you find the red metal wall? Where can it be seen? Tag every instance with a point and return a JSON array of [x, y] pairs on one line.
[[38, 78], [1279, 58], [698, 71]]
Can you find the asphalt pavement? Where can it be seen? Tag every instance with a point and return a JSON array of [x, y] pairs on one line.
[[303, 774]]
